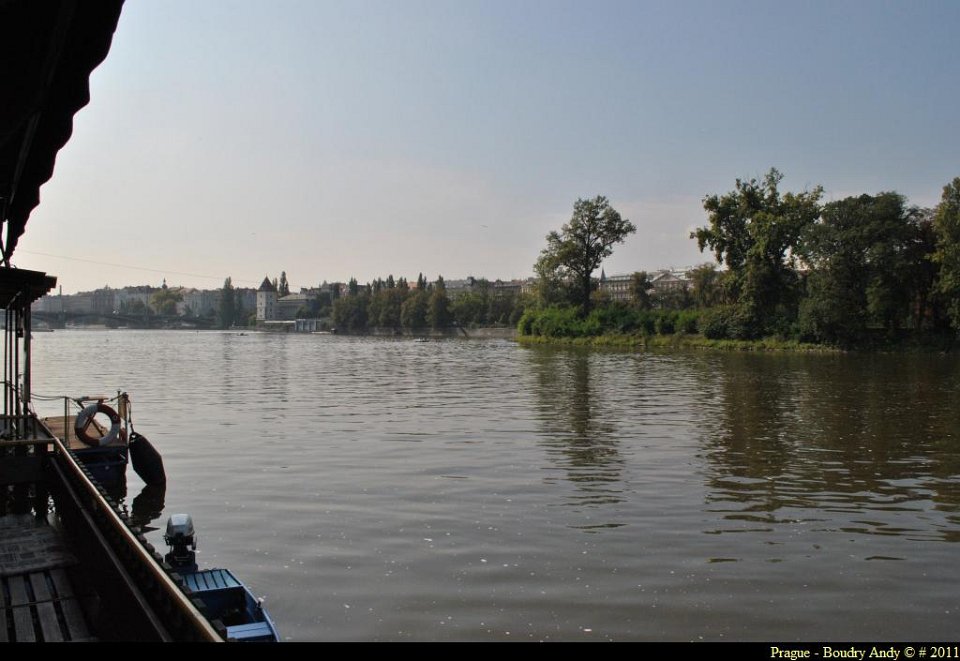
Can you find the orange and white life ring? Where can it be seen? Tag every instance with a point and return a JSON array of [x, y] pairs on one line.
[[85, 419]]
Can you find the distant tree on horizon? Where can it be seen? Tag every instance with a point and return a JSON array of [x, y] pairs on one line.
[[228, 310]]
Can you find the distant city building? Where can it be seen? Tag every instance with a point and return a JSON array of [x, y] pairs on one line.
[[670, 280], [617, 287], [105, 301], [289, 305], [245, 300], [510, 288], [134, 298], [470, 284], [266, 301], [199, 302], [457, 288]]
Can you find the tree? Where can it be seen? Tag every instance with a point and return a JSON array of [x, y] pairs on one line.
[[869, 261], [640, 287], [165, 301], [946, 223], [924, 274], [582, 244], [550, 287], [756, 232], [390, 307], [284, 287], [350, 313], [469, 309], [227, 304], [413, 312], [438, 306], [705, 285]]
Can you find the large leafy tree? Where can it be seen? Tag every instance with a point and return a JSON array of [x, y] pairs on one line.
[[576, 251], [946, 223], [640, 288], [228, 304], [869, 258], [392, 302], [705, 285], [755, 231], [350, 313], [438, 306], [165, 301], [413, 312]]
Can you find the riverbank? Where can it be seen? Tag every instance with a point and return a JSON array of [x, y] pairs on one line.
[[768, 344], [678, 341]]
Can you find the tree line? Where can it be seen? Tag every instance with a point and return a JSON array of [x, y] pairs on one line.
[[863, 270], [399, 305]]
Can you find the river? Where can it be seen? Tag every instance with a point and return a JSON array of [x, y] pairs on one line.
[[384, 489]]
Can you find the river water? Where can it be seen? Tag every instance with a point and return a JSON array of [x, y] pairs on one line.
[[383, 489]]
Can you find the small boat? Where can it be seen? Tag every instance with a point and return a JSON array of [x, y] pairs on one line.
[[222, 595]]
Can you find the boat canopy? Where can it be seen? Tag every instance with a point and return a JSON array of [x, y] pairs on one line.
[[47, 51]]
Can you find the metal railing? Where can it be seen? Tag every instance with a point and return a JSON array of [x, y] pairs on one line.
[[177, 614]]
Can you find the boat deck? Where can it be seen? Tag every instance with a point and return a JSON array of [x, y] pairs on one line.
[[62, 428], [37, 600]]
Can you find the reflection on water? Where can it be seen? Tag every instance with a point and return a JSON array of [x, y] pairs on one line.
[[862, 438], [147, 507], [380, 489], [577, 434]]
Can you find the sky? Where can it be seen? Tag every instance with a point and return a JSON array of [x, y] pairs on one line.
[[362, 138]]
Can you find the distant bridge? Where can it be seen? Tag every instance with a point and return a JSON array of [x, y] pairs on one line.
[[63, 319]]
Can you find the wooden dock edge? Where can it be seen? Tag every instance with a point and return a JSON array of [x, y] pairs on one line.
[[169, 613]]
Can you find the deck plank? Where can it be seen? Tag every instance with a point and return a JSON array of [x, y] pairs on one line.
[[46, 612], [62, 583], [18, 590], [73, 615], [76, 622], [23, 625], [22, 617]]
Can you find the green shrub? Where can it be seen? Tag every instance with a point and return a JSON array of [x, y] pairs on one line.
[[687, 321], [715, 323], [666, 322]]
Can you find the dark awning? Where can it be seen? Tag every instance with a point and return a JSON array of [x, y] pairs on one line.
[[47, 50], [20, 287]]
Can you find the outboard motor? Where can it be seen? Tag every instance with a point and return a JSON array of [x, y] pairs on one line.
[[182, 541]]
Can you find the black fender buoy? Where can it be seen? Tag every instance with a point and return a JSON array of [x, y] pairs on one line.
[[147, 462]]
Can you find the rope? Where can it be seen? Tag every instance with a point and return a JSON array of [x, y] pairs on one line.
[[78, 400]]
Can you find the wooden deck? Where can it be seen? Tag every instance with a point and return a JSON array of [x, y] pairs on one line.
[[62, 428], [37, 600]]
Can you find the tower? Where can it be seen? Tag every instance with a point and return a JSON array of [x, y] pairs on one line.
[[266, 301]]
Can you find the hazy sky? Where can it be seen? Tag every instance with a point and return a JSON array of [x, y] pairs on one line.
[[362, 138]]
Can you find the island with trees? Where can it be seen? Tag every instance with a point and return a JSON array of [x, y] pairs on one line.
[[867, 271]]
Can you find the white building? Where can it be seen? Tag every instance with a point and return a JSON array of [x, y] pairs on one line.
[[266, 301]]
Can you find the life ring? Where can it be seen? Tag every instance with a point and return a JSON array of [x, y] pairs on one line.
[[85, 419]]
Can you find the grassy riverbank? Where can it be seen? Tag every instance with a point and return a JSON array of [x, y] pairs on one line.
[[677, 341], [715, 329], [682, 341]]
